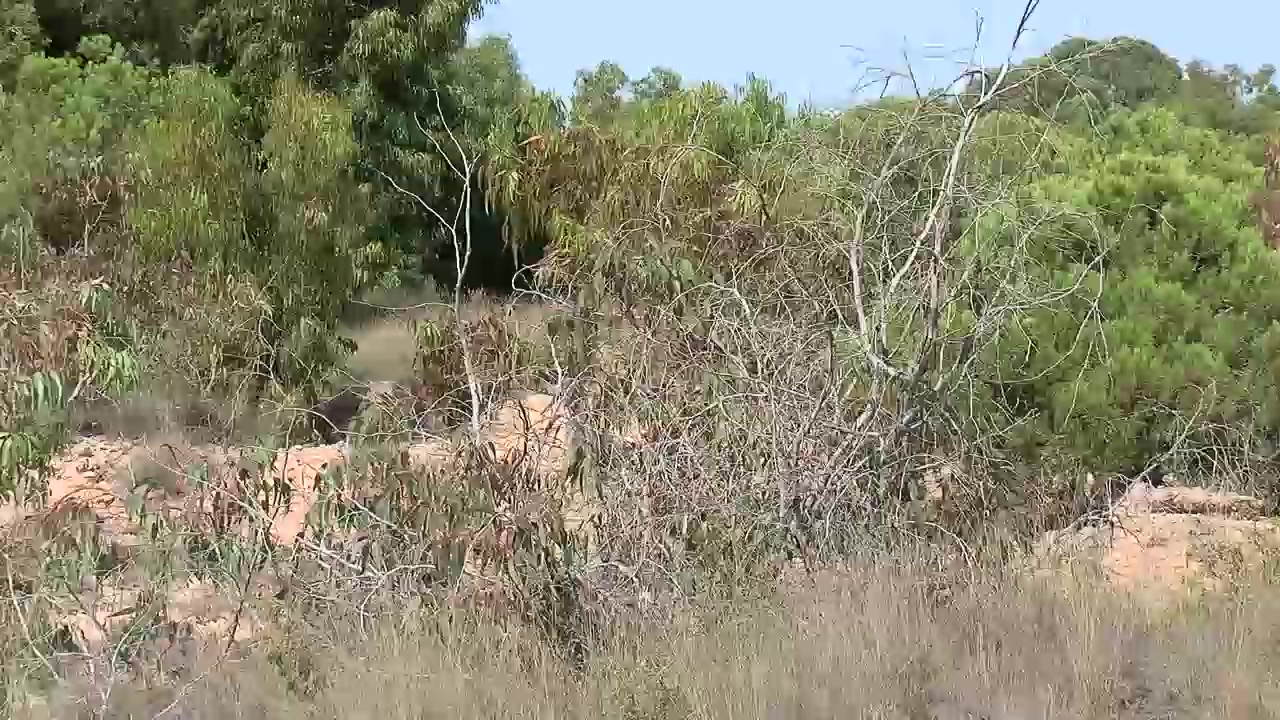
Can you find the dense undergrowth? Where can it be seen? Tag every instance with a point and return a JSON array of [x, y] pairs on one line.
[[870, 640], [932, 318]]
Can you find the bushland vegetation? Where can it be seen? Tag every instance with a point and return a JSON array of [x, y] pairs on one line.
[[947, 320]]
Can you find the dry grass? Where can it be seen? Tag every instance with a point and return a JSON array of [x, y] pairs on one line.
[[884, 639], [385, 349]]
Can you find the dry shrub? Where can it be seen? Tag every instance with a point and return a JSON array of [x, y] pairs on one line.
[[881, 639], [71, 212], [158, 407], [508, 345]]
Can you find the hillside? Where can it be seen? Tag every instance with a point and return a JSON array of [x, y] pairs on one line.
[[344, 371]]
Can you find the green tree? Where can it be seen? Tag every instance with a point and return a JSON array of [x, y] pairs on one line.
[[495, 104], [598, 93], [1080, 77], [485, 83], [1229, 99], [20, 35], [63, 128], [1261, 83], [421, 101], [315, 258], [1182, 300], [192, 178], [150, 30], [660, 83], [1120, 71]]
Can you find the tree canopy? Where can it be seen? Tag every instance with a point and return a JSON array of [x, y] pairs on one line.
[[284, 158]]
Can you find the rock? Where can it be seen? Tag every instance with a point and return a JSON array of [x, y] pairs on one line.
[[95, 483], [1143, 498], [1170, 537], [531, 430]]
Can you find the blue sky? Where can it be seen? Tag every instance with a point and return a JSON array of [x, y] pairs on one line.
[[823, 49]]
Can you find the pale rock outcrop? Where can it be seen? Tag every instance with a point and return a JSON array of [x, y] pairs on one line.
[[108, 483], [1171, 538]]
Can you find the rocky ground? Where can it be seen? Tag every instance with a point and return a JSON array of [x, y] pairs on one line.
[[1158, 539], [1151, 540], [114, 490]]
